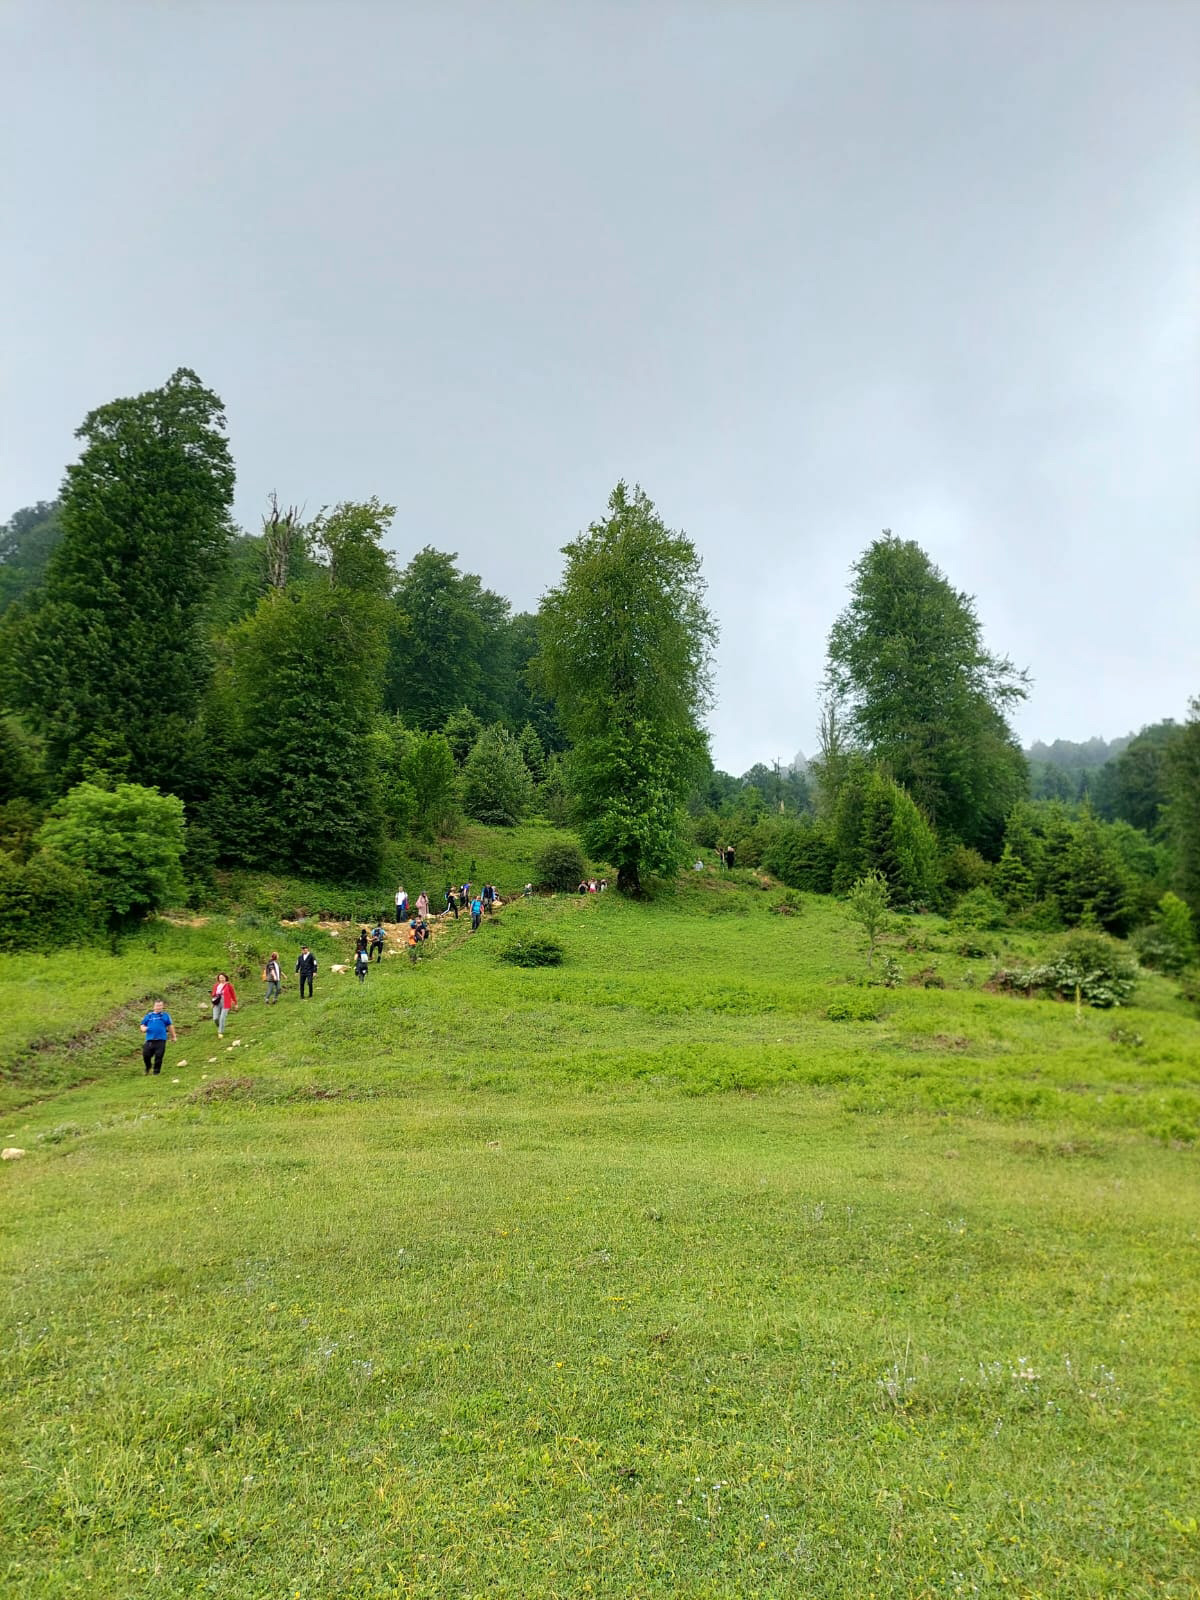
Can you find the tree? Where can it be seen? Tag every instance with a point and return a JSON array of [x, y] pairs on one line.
[[1183, 805], [497, 787], [109, 659], [867, 903], [296, 703], [1133, 787], [908, 671], [462, 728], [432, 780], [626, 646], [27, 541], [446, 631], [128, 840]]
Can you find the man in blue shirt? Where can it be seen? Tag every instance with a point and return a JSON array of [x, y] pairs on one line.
[[156, 1025]]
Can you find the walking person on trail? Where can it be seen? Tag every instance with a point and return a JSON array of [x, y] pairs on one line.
[[156, 1025], [401, 903], [273, 978], [414, 938], [361, 963], [377, 938], [476, 913], [452, 902], [422, 905], [306, 966], [224, 1000], [362, 941]]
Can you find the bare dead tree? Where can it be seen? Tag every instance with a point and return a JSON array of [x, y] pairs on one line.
[[281, 529]]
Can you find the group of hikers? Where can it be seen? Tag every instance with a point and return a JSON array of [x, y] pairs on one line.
[[157, 1026], [592, 886]]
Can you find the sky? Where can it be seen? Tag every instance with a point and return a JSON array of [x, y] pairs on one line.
[[804, 271]]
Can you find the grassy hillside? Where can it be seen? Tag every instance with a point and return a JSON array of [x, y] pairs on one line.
[[690, 1267]]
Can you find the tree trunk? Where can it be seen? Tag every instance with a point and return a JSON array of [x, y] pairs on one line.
[[628, 881]]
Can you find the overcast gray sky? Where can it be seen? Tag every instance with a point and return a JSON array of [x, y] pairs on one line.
[[803, 271]]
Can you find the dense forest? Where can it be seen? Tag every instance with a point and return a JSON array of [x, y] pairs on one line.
[[180, 696]]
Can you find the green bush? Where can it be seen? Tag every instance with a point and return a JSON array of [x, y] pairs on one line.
[[560, 866], [1168, 943], [46, 902], [533, 951], [129, 840], [497, 788], [964, 869], [1089, 963], [979, 908]]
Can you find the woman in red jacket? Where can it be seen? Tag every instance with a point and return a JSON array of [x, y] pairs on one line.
[[224, 1000]]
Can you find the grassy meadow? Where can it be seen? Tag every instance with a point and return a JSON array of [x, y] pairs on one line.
[[692, 1267]]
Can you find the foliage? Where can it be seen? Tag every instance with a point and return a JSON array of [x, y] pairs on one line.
[[532, 752], [919, 692], [350, 538], [497, 788], [980, 908], [46, 903], [295, 704], [108, 660], [626, 642], [1086, 963], [27, 541], [1168, 943], [560, 866], [1183, 808], [555, 795], [462, 728], [1133, 787], [432, 781], [878, 828], [867, 903], [1012, 881], [533, 950], [129, 840], [798, 851], [963, 869]]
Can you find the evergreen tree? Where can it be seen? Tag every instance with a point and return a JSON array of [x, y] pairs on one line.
[[1183, 806], [298, 702], [626, 640], [1012, 881], [462, 728], [109, 660], [497, 787], [907, 668]]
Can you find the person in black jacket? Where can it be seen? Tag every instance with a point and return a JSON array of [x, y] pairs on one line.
[[306, 966]]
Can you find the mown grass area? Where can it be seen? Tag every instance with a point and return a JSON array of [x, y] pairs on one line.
[[690, 1267]]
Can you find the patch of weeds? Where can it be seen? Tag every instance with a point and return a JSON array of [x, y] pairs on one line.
[[789, 904], [220, 1089], [928, 978], [853, 1008], [534, 950], [59, 1135], [891, 973], [1127, 1037]]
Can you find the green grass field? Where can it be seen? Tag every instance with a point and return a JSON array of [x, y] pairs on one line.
[[692, 1267]]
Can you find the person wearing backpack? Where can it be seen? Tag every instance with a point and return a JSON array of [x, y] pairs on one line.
[[273, 978], [361, 963], [377, 938], [306, 966]]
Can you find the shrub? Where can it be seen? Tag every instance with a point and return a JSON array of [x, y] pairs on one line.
[[853, 1008], [867, 904], [560, 866], [1089, 962], [1168, 944], [535, 950], [46, 902], [964, 869], [129, 840], [979, 908]]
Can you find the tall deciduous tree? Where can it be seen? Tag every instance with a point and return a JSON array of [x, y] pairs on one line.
[[109, 661], [908, 670], [626, 644]]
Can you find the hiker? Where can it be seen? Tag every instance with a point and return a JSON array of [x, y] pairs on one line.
[[422, 905], [377, 938], [401, 903], [583, 888], [273, 978], [729, 857], [413, 940], [156, 1025], [452, 902], [224, 1000], [488, 896], [593, 886], [476, 913], [465, 894], [306, 966], [529, 891], [363, 940], [361, 963], [603, 885]]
